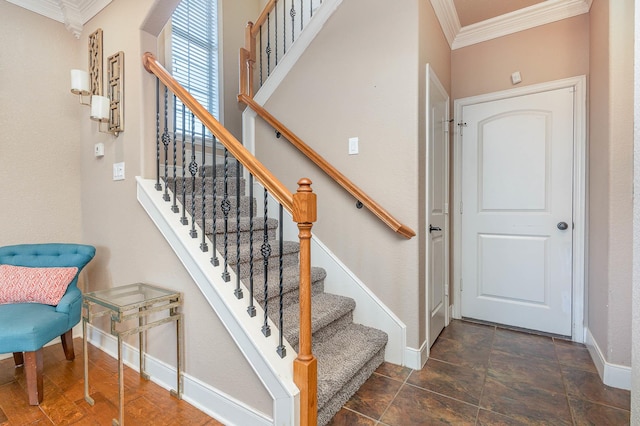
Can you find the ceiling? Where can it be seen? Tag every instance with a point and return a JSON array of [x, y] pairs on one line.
[[72, 13], [464, 22]]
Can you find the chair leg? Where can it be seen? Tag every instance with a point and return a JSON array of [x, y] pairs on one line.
[[33, 371], [67, 345], [18, 359]]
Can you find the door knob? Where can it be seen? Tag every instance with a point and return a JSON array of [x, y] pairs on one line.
[[562, 226], [434, 228]]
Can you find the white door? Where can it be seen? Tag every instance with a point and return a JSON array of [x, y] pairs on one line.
[[517, 224], [437, 204]]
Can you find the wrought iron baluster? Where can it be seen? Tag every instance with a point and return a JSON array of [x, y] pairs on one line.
[[203, 245], [226, 206], [238, 290], [214, 257], [292, 13], [284, 27], [193, 169], [166, 139], [174, 206], [183, 219], [265, 250], [301, 16], [268, 49], [261, 63], [275, 30], [311, 7], [158, 186], [251, 309], [282, 351]]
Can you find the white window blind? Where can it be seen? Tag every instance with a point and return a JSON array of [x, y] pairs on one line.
[[194, 45]]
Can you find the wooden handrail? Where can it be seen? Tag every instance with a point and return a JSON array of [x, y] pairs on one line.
[[263, 17], [262, 174], [302, 205], [333, 173]]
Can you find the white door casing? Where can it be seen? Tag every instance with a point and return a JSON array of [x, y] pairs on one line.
[[437, 173], [512, 265]]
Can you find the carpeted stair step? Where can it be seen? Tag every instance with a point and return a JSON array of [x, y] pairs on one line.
[[345, 361], [329, 314], [244, 207], [245, 224], [208, 186], [290, 250], [290, 285], [231, 168]]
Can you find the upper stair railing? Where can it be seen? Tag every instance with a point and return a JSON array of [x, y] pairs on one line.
[[270, 37], [213, 191], [262, 37]]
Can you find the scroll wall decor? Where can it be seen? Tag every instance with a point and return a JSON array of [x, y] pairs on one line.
[[95, 62], [115, 92]]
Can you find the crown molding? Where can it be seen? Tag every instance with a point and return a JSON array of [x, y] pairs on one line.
[[448, 17], [519, 20], [72, 13]]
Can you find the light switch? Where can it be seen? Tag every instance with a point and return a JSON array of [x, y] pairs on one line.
[[353, 146], [118, 171]]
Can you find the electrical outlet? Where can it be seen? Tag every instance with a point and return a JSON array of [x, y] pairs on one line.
[[99, 150], [118, 171]]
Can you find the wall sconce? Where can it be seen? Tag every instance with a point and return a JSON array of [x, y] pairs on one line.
[[108, 109], [80, 85]]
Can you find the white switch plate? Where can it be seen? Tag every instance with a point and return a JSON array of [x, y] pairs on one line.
[[353, 146], [118, 171], [99, 150]]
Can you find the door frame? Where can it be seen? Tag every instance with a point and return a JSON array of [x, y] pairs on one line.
[[579, 276], [433, 82]]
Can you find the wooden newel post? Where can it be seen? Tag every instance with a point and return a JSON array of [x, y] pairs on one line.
[[305, 366]]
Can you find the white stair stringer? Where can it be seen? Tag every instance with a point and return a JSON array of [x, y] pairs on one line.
[[275, 373]]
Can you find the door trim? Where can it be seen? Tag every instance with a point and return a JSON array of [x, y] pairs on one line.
[[579, 277], [434, 82]]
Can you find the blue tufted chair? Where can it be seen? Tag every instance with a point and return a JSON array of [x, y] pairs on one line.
[[26, 327]]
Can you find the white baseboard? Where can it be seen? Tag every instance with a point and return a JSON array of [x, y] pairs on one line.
[[416, 358], [207, 399], [614, 375]]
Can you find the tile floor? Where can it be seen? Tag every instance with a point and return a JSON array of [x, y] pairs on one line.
[[476, 375], [483, 375]]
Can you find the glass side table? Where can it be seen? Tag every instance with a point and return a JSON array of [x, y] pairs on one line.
[[125, 304]]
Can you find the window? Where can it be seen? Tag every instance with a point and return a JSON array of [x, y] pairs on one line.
[[194, 53]]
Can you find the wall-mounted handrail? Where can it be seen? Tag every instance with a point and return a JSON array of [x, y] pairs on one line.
[[330, 170], [264, 176]]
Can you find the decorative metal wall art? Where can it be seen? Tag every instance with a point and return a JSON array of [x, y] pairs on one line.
[[115, 92], [95, 62]]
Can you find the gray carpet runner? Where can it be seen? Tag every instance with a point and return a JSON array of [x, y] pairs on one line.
[[347, 353]]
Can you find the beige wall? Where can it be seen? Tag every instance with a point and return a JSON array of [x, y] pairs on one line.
[[611, 177], [40, 142], [363, 81], [130, 248], [549, 52]]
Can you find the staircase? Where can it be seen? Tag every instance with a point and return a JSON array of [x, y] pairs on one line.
[[347, 353]]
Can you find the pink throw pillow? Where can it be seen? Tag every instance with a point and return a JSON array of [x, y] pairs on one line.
[[21, 284]]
